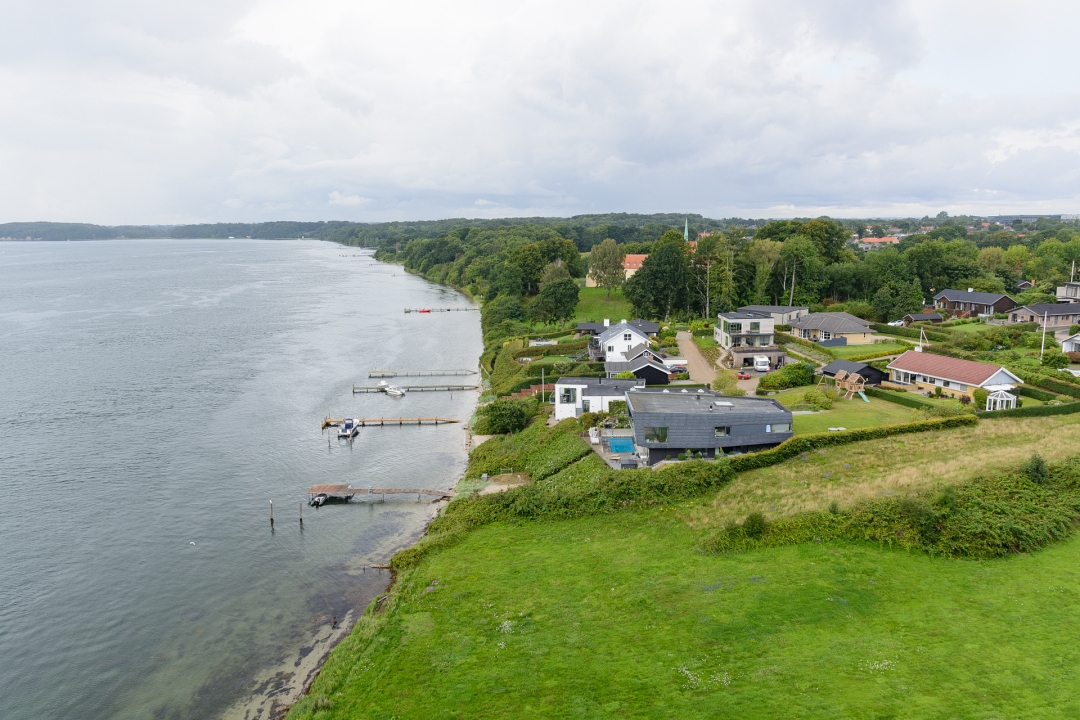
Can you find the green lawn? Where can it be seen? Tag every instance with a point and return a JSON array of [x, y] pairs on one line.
[[850, 414], [619, 617], [593, 307], [847, 351]]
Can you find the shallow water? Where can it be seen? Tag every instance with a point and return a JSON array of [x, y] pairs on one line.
[[156, 395]]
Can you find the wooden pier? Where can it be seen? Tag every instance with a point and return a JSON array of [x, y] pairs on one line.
[[413, 388], [435, 310], [364, 422], [417, 373], [348, 491]]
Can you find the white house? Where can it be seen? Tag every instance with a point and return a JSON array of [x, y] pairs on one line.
[[577, 395], [923, 371], [618, 340], [1071, 343], [782, 314]]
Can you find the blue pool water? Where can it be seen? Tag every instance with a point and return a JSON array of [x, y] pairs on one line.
[[621, 445]]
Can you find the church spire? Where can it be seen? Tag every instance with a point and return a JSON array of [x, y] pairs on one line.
[[686, 229]]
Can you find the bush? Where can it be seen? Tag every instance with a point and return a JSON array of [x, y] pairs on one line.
[[1035, 468], [820, 400], [980, 396], [1033, 393], [794, 375], [1034, 411], [1055, 359], [1074, 357], [626, 375], [754, 525], [506, 415], [900, 398], [726, 383], [504, 307]]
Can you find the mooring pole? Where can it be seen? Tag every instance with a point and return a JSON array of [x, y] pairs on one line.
[[271, 512], [301, 512]]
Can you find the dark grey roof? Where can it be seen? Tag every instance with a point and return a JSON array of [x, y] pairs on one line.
[[847, 365], [601, 386], [746, 316], [635, 365], [916, 317], [834, 322], [699, 402], [1052, 308], [975, 297], [619, 328], [645, 326], [773, 308]]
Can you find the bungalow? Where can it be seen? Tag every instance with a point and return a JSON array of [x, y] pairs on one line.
[[872, 375], [870, 243], [644, 367], [1069, 292], [1057, 315], [577, 395], [1024, 285], [957, 303], [782, 314], [666, 424], [597, 328], [1071, 344], [922, 317], [833, 328], [616, 341], [924, 371]]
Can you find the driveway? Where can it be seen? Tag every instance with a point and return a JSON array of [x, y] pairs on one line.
[[701, 371]]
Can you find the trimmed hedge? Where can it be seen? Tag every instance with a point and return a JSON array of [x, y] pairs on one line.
[[784, 337], [796, 446], [873, 355], [1059, 387], [557, 349], [900, 398], [908, 332], [1028, 391], [1034, 411]]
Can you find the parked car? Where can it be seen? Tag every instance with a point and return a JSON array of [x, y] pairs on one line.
[[743, 375], [896, 323]]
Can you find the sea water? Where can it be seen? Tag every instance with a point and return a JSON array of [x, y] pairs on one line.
[[155, 397]]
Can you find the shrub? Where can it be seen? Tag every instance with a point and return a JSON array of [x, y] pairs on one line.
[[900, 398], [1034, 411], [1074, 357], [1074, 328], [754, 525], [1034, 393], [820, 401], [1055, 359], [794, 375], [590, 419], [1035, 468], [506, 415], [504, 307], [626, 375]]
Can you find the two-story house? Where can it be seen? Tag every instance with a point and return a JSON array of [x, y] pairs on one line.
[[617, 341], [782, 314], [1069, 292], [958, 303], [744, 335]]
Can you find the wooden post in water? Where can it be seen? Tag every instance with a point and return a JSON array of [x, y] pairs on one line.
[[301, 512], [271, 513]]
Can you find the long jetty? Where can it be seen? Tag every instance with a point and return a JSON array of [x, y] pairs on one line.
[[417, 373], [364, 422], [435, 310], [413, 388], [348, 491]]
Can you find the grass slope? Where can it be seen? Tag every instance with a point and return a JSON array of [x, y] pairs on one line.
[[846, 351], [618, 617], [593, 307]]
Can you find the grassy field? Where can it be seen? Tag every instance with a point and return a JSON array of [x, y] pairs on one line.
[[619, 617], [853, 414], [847, 351], [909, 465], [592, 306]]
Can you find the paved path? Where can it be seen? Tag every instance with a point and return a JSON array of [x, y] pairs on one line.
[[701, 371]]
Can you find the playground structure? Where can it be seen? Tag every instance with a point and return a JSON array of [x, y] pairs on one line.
[[847, 383]]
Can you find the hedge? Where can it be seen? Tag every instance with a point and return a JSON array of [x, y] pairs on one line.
[[1034, 411], [806, 443], [1059, 387], [874, 355], [557, 349], [1031, 392], [900, 398], [908, 332], [805, 343]]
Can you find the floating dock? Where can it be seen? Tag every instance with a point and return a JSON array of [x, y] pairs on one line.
[[413, 388], [417, 373], [348, 491], [364, 422], [435, 310]]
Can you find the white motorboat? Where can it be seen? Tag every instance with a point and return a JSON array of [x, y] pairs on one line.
[[349, 428], [395, 391]]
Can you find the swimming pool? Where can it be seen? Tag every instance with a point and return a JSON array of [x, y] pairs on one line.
[[621, 445]]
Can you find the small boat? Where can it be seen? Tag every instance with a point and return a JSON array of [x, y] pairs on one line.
[[424, 310], [394, 391], [349, 428], [318, 500], [383, 384]]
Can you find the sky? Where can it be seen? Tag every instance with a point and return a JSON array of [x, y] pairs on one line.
[[117, 111]]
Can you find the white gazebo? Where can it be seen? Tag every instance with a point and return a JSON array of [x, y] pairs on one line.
[[1000, 398]]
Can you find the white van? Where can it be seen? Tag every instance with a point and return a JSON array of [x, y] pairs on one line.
[[761, 363]]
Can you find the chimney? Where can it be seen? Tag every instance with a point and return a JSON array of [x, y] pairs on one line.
[[607, 323], [623, 320], [971, 289]]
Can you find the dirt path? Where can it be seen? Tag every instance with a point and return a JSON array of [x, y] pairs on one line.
[[701, 371]]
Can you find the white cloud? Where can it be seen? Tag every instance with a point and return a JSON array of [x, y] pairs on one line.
[[253, 110]]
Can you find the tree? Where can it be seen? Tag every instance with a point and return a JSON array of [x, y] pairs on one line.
[[763, 254], [910, 298], [606, 265], [552, 272], [659, 287], [703, 263], [504, 307], [625, 375], [506, 415], [508, 281], [556, 301], [884, 304]]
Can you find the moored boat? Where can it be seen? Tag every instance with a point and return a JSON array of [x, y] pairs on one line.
[[349, 428]]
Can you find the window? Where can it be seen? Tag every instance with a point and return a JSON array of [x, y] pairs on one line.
[[944, 383], [627, 337], [721, 432], [826, 335], [727, 326], [755, 327], [584, 405], [611, 348], [736, 327], [781, 427], [568, 396], [656, 434]]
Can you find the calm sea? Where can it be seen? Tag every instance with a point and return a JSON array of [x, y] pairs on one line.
[[155, 396]]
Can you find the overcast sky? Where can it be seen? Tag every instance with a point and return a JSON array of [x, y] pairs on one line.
[[127, 111]]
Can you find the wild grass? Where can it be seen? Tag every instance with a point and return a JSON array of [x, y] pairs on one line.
[[908, 465], [593, 307], [846, 351]]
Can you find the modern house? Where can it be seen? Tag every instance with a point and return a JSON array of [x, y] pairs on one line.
[[616, 341], [1069, 292], [960, 303], [1058, 316], [782, 314], [747, 334], [872, 375], [922, 317], [668, 423], [598, 328], [577, 395], [924, 371], [833, 328]]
